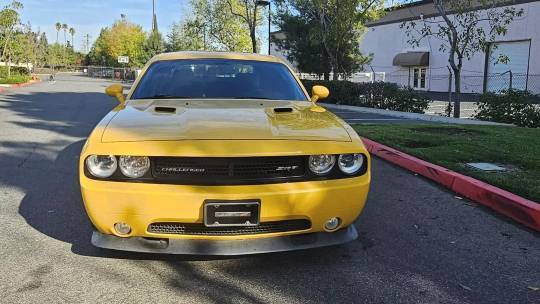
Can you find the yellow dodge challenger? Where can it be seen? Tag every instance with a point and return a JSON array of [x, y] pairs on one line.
[[221, 154]]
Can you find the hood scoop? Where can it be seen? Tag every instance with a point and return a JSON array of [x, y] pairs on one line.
[[283, 110], [167, 110]]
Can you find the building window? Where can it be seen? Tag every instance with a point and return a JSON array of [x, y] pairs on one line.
[[419, 78]]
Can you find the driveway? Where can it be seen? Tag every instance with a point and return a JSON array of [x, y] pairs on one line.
[[418, 243]]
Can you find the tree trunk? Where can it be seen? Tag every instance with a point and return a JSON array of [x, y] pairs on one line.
[[253, 40], [335, 75], [457, 99]]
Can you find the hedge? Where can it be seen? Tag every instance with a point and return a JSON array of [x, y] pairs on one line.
[[380, 95], [15, 70], [511, 106]]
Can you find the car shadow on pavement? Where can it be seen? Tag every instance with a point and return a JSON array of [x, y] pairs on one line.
[[53, 206]]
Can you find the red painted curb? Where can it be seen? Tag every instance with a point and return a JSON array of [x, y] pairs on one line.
[[18, 85], [516, 207]]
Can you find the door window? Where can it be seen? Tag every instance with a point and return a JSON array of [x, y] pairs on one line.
[[419, 78]]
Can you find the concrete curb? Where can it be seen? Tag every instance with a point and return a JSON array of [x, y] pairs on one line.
[[414, 116], [18, 85], [513, 206]]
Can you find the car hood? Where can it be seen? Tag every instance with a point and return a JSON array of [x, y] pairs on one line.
[[153, 120]]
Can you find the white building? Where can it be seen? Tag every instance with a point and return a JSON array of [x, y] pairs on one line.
[[426, 67]]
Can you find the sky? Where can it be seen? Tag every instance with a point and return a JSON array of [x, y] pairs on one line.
[[89, 16]]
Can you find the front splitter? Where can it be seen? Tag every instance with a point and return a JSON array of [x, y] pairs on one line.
[[225, 247]]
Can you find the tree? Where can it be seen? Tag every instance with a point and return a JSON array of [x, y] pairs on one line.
[[9, 19], [58, 27], [154, 44], [41, 49], [335, 26], [123, 38], [184, 37], [65, 28], [301, 45], [72, 33], [465, 27], [211, 26], [246, 10]]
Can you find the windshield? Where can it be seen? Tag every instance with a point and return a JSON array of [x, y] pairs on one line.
[[218, 78]]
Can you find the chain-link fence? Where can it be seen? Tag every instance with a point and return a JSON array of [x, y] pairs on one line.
[[125, 74], [440, 87], [112, 73]]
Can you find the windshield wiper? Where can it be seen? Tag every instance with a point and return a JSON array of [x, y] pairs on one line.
[[163, 96]]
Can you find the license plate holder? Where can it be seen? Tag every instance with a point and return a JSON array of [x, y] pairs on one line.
[[226, 213]]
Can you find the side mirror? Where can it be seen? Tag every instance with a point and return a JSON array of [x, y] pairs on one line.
[[116, 91], [319, 92]]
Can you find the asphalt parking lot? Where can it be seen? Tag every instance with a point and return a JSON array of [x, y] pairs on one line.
[[418, 243]]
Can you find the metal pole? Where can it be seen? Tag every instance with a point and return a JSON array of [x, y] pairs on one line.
[[511, 76], [269, 24], [449, 92]]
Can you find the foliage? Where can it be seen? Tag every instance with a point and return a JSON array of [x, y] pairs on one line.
[[380, 95], [184, 37], [17, 74], [463, 30], [14, 78], [9, 19], [328, 28], [15, 70], [211, 26], [246, 12], [123, 38], [301, 44], [154, 44], [512, 106]]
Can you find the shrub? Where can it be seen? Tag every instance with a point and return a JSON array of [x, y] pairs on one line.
[[15, 70], [380, 95], [511, 106], [15, 79]]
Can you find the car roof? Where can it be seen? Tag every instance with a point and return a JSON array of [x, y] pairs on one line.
[[215, 55]]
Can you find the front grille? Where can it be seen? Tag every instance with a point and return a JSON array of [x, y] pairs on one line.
[[200, 229], [228, 170]]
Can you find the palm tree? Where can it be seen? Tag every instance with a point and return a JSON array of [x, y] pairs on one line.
[[72, 33], [58, 28], [65, 28]]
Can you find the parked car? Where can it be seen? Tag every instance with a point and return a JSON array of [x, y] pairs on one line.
[[222, 154]]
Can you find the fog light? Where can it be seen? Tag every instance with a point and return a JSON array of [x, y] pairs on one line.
[[332, 224], [122, 228]]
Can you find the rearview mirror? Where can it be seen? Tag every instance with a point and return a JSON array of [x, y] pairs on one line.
[[117, 91], [319, 92]]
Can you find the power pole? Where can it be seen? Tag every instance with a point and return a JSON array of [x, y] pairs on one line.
[[154, 21]]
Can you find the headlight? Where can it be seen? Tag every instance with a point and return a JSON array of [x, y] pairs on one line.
[[134, 166], [350, 163], [321, 164], [101, 166]]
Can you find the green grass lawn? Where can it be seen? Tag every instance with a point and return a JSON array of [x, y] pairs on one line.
[[452, 146]]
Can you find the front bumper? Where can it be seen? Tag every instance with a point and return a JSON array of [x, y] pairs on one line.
[[225, 247], [140, 205]]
